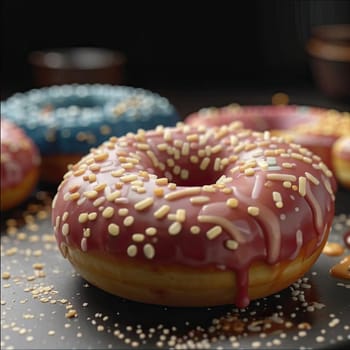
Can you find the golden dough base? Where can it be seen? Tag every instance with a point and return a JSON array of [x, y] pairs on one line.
[[13, 196], [184, 286], [340, 164], [342, 171]]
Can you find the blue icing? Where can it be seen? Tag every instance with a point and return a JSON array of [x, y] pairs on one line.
[[74, 118]]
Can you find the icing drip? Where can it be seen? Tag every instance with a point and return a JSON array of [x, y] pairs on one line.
[[258, 185], [226, 224], [270, 224], [316, 209], [242, 279]]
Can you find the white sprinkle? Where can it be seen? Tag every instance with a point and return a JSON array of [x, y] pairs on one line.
[[151, 231], [129, 220], [65, 229], [113, 229], [144, 203], [214, 232], [162, 211], [132, 250], [83, 217], [87, 232], [199, 199], [231, 244], [204, 163], [320, 339], [281, 177], [254, 211], [108, 212], [174, 228], [334, 322], [312, 178], [302, 186], [195, 230], [182, 193], [149, 251], [138, 237]]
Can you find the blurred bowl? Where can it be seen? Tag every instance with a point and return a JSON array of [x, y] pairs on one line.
[[77, 65], [329, 51]]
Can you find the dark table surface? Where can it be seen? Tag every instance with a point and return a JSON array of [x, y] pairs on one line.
[[46, 305]]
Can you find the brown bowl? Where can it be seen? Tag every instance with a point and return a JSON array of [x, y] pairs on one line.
[[329, 52], [77, 65]]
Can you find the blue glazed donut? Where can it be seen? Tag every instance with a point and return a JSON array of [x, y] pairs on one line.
[[67, 121]]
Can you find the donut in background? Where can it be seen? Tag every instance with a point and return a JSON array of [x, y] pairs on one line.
[[314, 128], [341, 160], [66, 121], [20, 164]]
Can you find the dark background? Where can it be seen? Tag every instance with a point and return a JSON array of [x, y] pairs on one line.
[[172, 45]]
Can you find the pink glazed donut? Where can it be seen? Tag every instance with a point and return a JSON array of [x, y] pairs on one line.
[[20, 161], [314, 128], [194, 215], [341, 160]]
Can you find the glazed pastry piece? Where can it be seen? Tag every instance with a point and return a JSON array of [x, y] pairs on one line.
[[341, 160], [20, 163], [315, 128], [194, 216], [66, 121]]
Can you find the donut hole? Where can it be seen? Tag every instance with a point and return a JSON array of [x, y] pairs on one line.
[[74, 103], [208, 178], [198, 159], [186, 174], [183, 172], [258, 118], [276, 118], [283, 123]]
